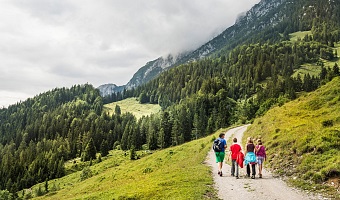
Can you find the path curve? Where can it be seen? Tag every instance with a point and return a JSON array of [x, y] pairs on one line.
[[268, 187]]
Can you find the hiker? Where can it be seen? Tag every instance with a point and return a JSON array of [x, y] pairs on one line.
[[220, 152], [260, 155], [250, 158], [234, 151]]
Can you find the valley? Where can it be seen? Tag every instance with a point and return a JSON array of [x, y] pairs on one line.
[[276, 68]]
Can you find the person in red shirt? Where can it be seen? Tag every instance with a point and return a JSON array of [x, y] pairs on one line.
[[234, 151]]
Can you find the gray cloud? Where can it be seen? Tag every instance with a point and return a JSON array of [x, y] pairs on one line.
[[47, 43]]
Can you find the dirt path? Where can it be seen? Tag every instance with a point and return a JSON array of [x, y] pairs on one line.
[[245, 188]]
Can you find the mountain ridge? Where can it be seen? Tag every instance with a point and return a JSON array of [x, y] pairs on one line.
[[153, 68]]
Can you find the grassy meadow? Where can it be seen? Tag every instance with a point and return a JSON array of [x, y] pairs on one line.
[[303, 139], [173, 173], [133, 106], [312, 69], [299, 35]]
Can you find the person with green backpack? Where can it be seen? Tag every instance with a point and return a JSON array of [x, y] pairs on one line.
[[219, 147]]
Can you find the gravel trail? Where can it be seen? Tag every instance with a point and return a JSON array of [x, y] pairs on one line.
[[268, 187]]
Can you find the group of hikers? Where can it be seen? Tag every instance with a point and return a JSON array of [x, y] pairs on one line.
[[254, 154]]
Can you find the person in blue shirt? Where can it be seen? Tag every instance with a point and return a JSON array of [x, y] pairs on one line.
[[220, 155]]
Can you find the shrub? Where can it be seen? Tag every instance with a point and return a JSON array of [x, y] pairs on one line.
[[85, 173], [327, 123], [317, 178], [39, 192], [116, 144], [5, 194], [133, 153], [147, 170]]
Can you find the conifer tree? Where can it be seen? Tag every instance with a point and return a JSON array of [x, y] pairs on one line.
[[90, 151], [117, 110], [104, 148], [133, 153]]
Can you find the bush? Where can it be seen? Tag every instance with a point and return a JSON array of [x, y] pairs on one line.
[[116, 145], [327, 123], [317, 178], [85, 173], [5, 194], [147, 170], [133, 153], [38, 192]]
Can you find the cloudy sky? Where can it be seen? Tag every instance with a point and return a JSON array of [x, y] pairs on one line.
[[46, 44]]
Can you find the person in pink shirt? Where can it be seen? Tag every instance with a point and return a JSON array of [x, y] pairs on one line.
[[234, 151], [261, 155]]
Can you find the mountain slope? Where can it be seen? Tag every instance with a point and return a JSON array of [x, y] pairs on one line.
[[108, 89], [269, 20], [152, 69], [303, 138], [232, 36], [173, 173]]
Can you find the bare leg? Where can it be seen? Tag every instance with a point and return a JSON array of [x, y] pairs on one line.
[[260, 170], [220, 166]]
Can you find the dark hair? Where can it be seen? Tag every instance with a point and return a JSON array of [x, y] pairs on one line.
[[259, 141], [221, 135], [235, 140]]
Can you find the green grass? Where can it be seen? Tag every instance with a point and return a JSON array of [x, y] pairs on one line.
[[303, 139], [311, 69], [314, 69], [298, 35], [336, 60], [133, 106], [174, 173]]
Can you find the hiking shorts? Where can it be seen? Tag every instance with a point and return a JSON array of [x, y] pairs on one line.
[[219, 156], [260, 160]]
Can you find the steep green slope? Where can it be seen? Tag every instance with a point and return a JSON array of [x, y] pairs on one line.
[[303, 137], [37, 135], [173, 173]]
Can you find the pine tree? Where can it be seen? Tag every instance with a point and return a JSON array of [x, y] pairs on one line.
[[104, 148], [165, 132], [336, 69], [46, 186], [152, 136], [133, 153], [143, 98], [90, 151], [117, 110]]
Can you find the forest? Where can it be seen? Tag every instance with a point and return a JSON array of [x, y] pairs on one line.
[[38, 135]]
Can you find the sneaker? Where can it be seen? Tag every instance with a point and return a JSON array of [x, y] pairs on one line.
[[237, 177], [260, 175], [218, 172], [221, 173], [248, 175], [253, 177], [232, 175]]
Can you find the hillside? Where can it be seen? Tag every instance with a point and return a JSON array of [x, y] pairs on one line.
[[132, 105], [268, 21], [303, 138], [239, 82], [173, 173]]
